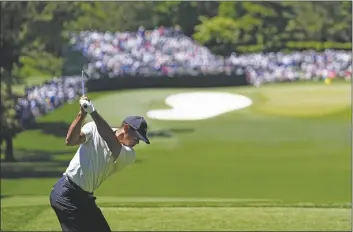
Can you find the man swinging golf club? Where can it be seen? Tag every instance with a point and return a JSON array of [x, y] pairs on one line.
[[102, 151]]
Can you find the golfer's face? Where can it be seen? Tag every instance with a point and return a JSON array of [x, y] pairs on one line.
[[131, 137]]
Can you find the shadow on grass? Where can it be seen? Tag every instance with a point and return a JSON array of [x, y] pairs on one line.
[[42, 164], [24, 155], [34, 164], [32, 170], [167, 133], [58, 129]]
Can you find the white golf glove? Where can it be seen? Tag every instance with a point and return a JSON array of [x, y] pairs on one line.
[[87, 106]]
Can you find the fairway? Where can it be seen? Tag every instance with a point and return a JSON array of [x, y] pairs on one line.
[[282, 162], [154, 218]]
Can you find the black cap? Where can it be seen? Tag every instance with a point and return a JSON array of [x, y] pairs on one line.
[[140, 125]]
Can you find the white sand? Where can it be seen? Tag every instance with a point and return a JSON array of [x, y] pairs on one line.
[[199, 105]]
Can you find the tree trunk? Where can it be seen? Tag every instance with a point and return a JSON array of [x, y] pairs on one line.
[[9, 157], [8, 82]]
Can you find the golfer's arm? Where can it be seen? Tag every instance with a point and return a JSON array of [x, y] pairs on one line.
[[74, 136], [106, 132]]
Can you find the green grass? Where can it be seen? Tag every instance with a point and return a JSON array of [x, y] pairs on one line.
[[30, 81], [183, 214], [282, 164], [42, 218]]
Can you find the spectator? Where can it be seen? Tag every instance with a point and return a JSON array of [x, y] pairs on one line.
[[305, 65], [40, 100], [162, 51]]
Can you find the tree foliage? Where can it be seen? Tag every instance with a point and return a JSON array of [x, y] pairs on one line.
[[273, 26]]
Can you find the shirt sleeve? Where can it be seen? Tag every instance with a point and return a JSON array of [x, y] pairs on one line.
[[87, 129], [126, 157]]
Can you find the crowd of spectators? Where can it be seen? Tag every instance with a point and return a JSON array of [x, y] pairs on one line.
[[304, 65], [168, 52], [162, 51], [40, 99]]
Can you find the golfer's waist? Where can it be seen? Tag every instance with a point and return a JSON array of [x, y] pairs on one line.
[[75, 185]]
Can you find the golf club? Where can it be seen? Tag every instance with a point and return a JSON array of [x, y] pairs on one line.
[[83, 84]]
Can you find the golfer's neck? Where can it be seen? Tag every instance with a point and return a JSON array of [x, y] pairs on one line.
[[119, 134]]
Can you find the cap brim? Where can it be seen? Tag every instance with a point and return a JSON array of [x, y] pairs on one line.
[[143, 138]]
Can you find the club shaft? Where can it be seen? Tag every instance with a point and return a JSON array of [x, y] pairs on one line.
[[83, 84]]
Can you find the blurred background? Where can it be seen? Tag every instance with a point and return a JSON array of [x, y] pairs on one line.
[[292, 59]]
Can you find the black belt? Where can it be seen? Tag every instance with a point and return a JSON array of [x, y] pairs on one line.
[[76, 186]]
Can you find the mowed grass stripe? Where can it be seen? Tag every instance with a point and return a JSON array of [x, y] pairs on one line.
[[189, 218], [16, 217], [44, 221], [111, 201], [37, 200], [204, 218]]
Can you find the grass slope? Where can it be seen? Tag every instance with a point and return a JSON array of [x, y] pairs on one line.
[[290, 148]]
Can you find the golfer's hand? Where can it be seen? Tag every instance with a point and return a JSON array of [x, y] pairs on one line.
[[82, 110], [86, 105]]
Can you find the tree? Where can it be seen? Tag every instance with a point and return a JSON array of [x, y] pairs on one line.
[[219, 33], [11, 26], [9, 126], [111, 16], [273, 26], [338, 23]]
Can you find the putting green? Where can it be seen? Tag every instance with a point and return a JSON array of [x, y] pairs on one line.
[[289, 101], [305, 101]]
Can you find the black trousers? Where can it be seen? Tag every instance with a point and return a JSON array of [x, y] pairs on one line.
[[76, 209]]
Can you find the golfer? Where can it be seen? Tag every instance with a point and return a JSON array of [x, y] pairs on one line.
[[102, 151]]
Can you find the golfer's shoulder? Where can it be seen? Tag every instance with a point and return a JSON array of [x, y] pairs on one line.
[[90, 125], [88, 129], [127, 153]]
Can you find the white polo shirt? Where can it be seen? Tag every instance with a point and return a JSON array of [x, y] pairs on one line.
[[93, 161]]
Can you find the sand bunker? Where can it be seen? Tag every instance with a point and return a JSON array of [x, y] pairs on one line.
[[199, 105]]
